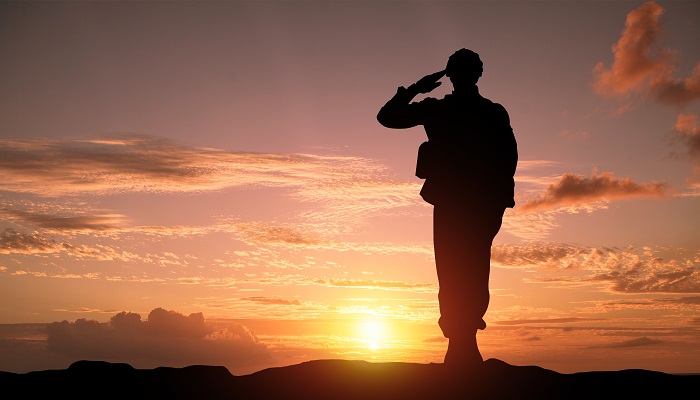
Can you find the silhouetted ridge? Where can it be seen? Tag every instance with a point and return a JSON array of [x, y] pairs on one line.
[[343, 379]]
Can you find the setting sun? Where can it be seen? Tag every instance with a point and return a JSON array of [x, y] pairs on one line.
[[374, 334]]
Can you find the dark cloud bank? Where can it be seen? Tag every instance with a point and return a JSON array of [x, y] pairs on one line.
[[165, 338]]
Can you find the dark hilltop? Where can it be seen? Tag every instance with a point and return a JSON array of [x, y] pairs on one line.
[[343, 379]]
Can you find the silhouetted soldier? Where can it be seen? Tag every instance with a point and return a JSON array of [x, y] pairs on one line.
[[468, 165]]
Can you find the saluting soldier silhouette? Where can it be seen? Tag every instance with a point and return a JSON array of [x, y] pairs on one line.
[[468, 164]]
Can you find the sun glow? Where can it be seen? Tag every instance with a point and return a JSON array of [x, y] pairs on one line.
[[374, 334]]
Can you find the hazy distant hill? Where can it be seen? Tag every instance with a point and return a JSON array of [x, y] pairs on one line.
[[340, 379]]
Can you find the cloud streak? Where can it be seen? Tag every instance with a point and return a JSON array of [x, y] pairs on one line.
[[272, 301], [636, 68], [25, 243], [653, 277], [379, 284], [138, 163], [576, 190], [567, 320], [310, 237], [632, 343], [347, 188], [72, 223], [538, 255], [619, 270]]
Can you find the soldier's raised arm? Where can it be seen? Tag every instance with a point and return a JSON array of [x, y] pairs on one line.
[[399, 112]]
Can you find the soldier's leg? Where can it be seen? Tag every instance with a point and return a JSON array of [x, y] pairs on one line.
[[462, 240]]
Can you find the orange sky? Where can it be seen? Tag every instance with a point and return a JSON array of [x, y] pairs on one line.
[[206, 183]]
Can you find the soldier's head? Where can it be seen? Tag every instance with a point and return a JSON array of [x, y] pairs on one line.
[[464, 67]]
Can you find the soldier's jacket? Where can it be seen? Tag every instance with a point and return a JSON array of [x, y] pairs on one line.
[[471, 153]]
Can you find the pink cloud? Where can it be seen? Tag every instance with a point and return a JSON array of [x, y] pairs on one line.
[[637, 68], [632, 63], [572, 190], [674, 91], [689, 133]]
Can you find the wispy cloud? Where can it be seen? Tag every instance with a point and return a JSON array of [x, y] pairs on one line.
[[578, 190], [653, 277], [379, 284], [273, 234], [636, 68], [538, 255], [62, 223], [620, 270], [311, 237], [85, 310], [632, 343], [137, 163], [529, 226], [272, 301], [347, 188], [25, 243], [689, 300], [20, 243], [690, 304], [566, 320]]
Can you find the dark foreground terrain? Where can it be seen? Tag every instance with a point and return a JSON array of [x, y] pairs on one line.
[[340, 379]]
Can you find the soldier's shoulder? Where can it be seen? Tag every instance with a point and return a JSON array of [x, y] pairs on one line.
[[497, 111], [497, 108], [489, 102]]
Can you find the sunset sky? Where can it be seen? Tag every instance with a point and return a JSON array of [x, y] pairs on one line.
[[206, 183]]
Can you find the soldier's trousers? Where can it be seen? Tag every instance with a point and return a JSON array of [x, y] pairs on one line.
[[462, 239]]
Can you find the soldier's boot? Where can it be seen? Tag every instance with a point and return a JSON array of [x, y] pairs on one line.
[[463, 352]]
